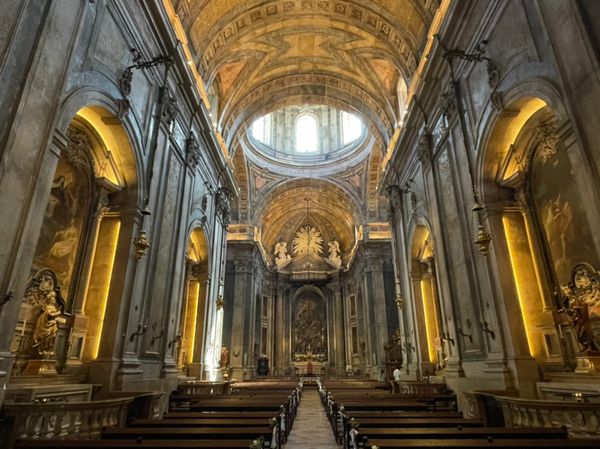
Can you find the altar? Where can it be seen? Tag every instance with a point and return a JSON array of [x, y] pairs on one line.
[[309, 368]]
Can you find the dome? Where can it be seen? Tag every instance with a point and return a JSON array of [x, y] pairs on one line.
[[307, 134]]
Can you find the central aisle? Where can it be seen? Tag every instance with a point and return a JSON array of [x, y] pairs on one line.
[[311, 429]]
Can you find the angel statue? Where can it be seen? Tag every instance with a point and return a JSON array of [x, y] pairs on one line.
[[282, 258], [334, 258]]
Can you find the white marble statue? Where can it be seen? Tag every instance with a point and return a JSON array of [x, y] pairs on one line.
[[334, 258], [282, 258]]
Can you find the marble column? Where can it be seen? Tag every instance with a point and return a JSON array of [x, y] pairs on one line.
[[279, 323], [340, 338]]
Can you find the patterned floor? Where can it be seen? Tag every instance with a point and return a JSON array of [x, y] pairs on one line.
[[311, 429]]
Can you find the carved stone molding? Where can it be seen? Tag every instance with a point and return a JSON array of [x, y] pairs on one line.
[[424, 153], [448, 101], [169, 109], [78, 148], [394, 194], [223, 206], [547, 136], [193, 156]]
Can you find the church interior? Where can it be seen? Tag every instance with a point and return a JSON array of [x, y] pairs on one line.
[[299, 223]]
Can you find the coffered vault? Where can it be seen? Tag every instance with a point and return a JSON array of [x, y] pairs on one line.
[[258, 56]]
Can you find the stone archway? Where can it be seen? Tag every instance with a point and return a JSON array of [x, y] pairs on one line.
[[431, 350], [193, 316], [85, 238]]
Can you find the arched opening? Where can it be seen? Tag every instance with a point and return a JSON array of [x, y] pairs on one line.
[[193, 314], [433, 354], [547, 230], [82, 244], [402, 92], [310, 330], [307, 135]]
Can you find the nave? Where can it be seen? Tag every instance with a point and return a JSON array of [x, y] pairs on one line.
[[208, 204], [318, 414]]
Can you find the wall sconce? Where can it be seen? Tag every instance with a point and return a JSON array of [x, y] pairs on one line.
[[464, 335], [485, 327], [141, 244], [175, 340], [483, 238], [141, 330]]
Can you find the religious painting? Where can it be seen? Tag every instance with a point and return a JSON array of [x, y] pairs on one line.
[[63, 223], [564, 210], [309, 329]]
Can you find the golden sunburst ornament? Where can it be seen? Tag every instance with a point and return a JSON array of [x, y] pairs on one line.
[[307, 241]]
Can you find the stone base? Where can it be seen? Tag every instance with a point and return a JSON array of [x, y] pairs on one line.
[[588, 363], [41, 367]]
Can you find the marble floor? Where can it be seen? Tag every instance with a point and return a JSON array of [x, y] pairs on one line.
[[311, 429]]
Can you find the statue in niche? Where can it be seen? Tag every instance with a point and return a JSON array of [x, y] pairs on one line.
[[334, 258], [44, 294], [582, 305], [282, 258]]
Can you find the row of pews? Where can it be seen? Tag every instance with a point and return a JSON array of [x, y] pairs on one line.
[[254, 416], [363, 415]]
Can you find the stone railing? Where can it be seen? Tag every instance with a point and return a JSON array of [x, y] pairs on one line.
[[419, 388], [143, 404], [204, 388], [581, 419], [64, 420]]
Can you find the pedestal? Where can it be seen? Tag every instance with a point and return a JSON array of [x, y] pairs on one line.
[[588, 363], [41, 367]]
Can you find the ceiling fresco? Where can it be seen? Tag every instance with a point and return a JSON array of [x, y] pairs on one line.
[[259, 56]]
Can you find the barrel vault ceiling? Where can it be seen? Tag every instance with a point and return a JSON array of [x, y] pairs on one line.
[[259, 55]]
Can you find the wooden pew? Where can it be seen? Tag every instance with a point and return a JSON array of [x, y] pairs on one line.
[[403, 423], [218, 415], [184, 433], [493, 433], [201, 422], [127, 444], [402, 414], [483, 444]]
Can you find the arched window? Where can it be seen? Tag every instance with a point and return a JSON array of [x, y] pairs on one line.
[[351, 128], [402, 98], [306, 134], [261, 129]]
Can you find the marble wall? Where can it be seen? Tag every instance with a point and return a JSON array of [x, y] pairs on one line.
[[65, 63], [473, 127]]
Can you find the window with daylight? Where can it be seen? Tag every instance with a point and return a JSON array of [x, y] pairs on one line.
[[352, 128], [306, 134], [261, 129]]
